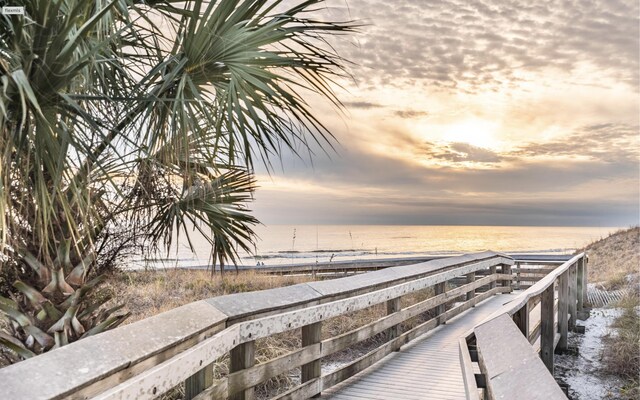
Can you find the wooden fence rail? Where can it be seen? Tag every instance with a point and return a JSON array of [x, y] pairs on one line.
[[507, 344], [148, 358]]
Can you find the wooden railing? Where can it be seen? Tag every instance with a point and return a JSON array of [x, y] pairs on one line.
[[506, 345], [148, 358], [530, 264]]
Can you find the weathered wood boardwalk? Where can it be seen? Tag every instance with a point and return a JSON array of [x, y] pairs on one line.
[[427, 368], [479, 343]]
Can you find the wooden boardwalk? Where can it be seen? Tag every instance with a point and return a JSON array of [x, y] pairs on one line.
[[425, 369], [148, 358]]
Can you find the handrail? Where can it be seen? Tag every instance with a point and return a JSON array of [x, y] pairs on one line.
[[149, 357], [360, 265], [499, 363], [516, 304]]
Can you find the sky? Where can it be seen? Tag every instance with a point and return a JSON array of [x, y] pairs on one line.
[[487, 112]]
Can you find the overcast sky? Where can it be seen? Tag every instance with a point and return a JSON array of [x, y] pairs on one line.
[[485, 112]]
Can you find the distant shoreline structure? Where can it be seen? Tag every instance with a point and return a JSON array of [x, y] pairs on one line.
[[381, 262]]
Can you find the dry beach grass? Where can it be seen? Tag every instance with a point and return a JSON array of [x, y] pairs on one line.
[[615, 257], [147, 293]]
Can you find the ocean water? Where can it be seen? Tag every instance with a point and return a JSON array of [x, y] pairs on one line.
[[292, 244]]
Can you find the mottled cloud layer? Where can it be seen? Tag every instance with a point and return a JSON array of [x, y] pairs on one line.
[[485, 112], [478, 45]]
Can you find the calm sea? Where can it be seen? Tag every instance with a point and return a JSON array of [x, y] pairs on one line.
[[287, 244]]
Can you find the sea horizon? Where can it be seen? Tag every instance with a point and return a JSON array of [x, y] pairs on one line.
[[280, 244]]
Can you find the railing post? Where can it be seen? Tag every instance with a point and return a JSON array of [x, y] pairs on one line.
[[471, 277], [585, 278], [311, 334], [518, 275], [440, 288], [506, 269], [521, 318], [393, 306], [547, 333], [573, 295], [243, 357], [563, 309], [198, 382], [493, 270], [581, 284]]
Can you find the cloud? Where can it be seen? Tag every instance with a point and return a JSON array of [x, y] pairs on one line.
[[457, 44], [461, 152], [410, 113], [361, 104], [605, 142]]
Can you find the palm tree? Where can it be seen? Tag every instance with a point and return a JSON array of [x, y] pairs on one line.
[[127, 122]]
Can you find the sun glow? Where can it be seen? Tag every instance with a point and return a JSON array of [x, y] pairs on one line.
[[476, 132]]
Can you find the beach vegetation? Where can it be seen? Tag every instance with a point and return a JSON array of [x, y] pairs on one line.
[[621, 354], [126, 124]]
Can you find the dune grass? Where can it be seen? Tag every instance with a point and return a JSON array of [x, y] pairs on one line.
[[147, 293], [614, 258], [621, 354]]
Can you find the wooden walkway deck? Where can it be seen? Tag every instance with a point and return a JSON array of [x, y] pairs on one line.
[[425, 369]]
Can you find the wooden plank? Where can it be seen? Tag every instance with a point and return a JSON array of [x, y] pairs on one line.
[[373, 390], [168, 374], [581, 283], [218, 390], [440, 288], [471, 389], [198, 382], [585, 275], [533, 271], [259, 373], [311, 334], [301, 392], [573, 296], [563, 307], [521, 319], [493, 269], [512, 368], [471, 277], [393, 306], [547, 331], [242, 306], [243, 357], [506, 270]]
